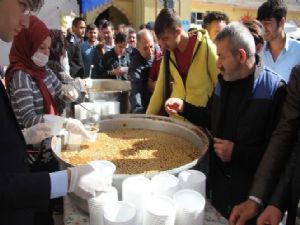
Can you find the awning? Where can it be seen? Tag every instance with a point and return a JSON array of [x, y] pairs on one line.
[[89, 5]]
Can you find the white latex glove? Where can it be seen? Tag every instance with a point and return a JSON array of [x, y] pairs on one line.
[[76, 127], [64, 77], [88, 83], [85, 181], [70, 91], [37, 133], [82, 84]]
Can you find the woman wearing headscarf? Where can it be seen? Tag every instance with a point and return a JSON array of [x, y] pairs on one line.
[[35, 91]]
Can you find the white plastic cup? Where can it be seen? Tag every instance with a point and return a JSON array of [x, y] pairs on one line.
[[96, 205], [73, 141], [90, 110], [190, 206], [119, 213], [92, 130], [54, 122], [110, 107], [136, 189], [165, 184], [193, 179], [159, 210], [105, 168], [92, 136]]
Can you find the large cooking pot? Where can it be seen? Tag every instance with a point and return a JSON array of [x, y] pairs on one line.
[[110, 90], [113, 122]]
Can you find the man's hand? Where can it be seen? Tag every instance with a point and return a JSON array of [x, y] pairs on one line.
[[223, 149], [116, 72], [271, 215], [243, 212], [85, 181], [173, 105]]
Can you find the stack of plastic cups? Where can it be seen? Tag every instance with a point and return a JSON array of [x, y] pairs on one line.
[[193, 179], [165, 184], [159, 210], [120, 213], [189, 207], [105, 169], [136, 189], [110, 107], [97, 204]]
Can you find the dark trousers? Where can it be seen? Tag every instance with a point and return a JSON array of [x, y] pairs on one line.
[[45, 217]]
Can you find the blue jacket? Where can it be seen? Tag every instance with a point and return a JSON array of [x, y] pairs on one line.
[[255, 118]]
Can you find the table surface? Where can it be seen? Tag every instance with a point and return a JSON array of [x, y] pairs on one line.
[[75, 216]]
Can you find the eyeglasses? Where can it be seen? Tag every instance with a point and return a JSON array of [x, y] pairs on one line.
[[25, 8]]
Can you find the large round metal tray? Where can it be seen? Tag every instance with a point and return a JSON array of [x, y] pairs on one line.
[[185, 130]]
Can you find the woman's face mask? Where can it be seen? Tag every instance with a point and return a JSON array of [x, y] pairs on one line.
[[40, 59]]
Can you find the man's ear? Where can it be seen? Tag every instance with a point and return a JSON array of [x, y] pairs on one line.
[[178, 31], [242, 54], [282, 22]]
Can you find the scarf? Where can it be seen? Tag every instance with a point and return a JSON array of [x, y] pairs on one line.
[[24, 45]]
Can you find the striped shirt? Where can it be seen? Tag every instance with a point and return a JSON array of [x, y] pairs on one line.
[[27, 100]]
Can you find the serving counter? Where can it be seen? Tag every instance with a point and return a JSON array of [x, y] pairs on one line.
[[75, 216]]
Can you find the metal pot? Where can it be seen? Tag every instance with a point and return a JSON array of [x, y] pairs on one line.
[[185, 130], [111, 90]]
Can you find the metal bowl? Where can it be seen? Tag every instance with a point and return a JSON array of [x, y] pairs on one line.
[[111, 90], [185, 130]]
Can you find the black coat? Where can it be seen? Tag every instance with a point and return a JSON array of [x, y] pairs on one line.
[[284, 145], [249, 128], [75, 57], [111, 61], [21, 192], [287, 192], [138, 75], [97, 62], [281, 143]]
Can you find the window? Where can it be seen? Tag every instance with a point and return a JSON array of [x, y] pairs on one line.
[[196, 18]]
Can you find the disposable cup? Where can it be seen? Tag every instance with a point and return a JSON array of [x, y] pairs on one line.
[[92, 136], [120, 213], [165, 184], [189, 207], [110, 107], [73, 141], [193, 179], [105, 168], [96, 205], [136, 189], [159, 210]]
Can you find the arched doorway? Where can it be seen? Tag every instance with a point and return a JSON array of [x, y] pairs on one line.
[[114, 15]]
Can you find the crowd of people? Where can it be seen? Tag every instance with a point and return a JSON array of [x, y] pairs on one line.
[[239, 80]]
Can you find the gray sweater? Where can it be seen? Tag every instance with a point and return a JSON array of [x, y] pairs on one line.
[[27, 103], [27, 100]]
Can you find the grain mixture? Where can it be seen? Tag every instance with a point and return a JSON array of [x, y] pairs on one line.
[[135, 151]]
